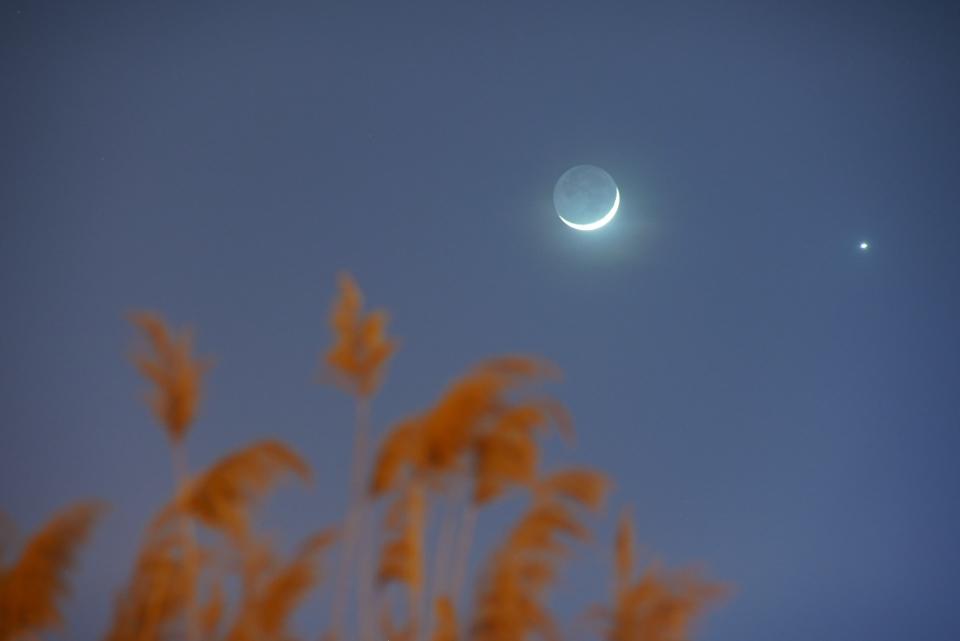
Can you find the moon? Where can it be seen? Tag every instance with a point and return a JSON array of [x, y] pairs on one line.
[[586, 198]]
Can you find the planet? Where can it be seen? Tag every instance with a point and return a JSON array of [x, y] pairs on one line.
[[586, 198]]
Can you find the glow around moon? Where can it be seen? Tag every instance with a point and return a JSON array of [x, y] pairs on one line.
[[586, 198]]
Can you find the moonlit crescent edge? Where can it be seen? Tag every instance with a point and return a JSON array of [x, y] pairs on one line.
[[597, 224]]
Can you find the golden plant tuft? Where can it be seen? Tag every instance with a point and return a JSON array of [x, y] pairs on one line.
[[502, 459], [401, 448], [167, 361], [660, 605], [212, 611], [440, 441], [272, 592], [34, 584], [431, 476], [223, 496], [162, 586], [362, 348], [401, 559], [583, 486], [510, 604], [624, 551], [446, 626]]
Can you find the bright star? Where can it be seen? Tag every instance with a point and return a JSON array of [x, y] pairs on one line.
[[864, 246]]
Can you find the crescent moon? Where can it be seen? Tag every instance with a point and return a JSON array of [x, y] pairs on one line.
[[597, 224]]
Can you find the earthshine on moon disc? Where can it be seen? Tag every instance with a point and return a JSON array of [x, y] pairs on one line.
[[586, 198]]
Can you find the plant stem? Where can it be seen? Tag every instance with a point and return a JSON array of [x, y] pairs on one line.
[[181, 475], [365, 599], [365, 595], [441, 560], [341, 594], [464, 541], [417, 524]]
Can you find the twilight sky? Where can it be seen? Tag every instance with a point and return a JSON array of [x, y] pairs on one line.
[[772, 401]]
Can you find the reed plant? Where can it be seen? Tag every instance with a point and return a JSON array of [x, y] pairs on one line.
[[398, 560]]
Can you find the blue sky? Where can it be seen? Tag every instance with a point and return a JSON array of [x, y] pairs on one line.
[[773, 402]]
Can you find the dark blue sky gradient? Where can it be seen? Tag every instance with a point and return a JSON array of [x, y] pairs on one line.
[[773, 402]]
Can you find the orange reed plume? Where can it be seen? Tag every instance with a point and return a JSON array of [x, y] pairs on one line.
[[361, 351], [273, 590], [32, 586], [222, 496], [159, 602], [658, 606], [205, 571], [163, 585], [438, 442], [510, 603], [176, 375], [356, 363], [482, 427], [446, 629], [402, 556]]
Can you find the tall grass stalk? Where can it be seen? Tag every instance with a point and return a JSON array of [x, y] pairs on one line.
[[353, 523]]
